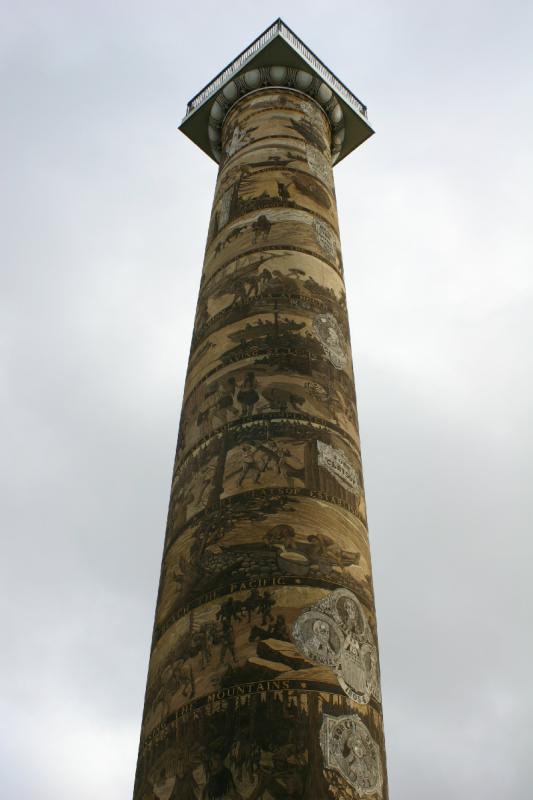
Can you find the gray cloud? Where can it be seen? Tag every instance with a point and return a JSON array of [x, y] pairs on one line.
[[104, 225]]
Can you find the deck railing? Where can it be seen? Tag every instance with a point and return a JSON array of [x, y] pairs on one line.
[[277, 29]]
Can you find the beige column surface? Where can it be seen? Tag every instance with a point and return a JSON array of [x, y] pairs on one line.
[[263, 680]]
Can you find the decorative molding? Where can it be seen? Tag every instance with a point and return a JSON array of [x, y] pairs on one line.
[[276, 76]]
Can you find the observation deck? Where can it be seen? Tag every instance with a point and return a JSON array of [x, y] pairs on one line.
[[277, 58]]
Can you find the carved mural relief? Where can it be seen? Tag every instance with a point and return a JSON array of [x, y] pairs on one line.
[[269, 186], [246, 636], [269, 228], [259, 741], [263, 681], [292, 538], [260, 334], [249, 389]]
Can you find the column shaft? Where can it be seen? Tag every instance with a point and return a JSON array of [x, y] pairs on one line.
[[263, 679]]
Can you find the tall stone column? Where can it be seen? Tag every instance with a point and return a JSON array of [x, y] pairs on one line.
[[263, 680]]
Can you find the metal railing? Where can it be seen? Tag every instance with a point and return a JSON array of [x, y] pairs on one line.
[[277, 28]]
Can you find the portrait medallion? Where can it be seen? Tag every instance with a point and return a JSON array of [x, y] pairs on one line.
[[348, 747], [334, 632]]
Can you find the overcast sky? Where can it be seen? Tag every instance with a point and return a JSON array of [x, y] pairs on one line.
[[104, 215]]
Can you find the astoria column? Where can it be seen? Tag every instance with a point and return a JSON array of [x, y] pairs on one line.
[[263, 680]]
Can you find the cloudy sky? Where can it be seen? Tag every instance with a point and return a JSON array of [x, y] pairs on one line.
[[104, 215]]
